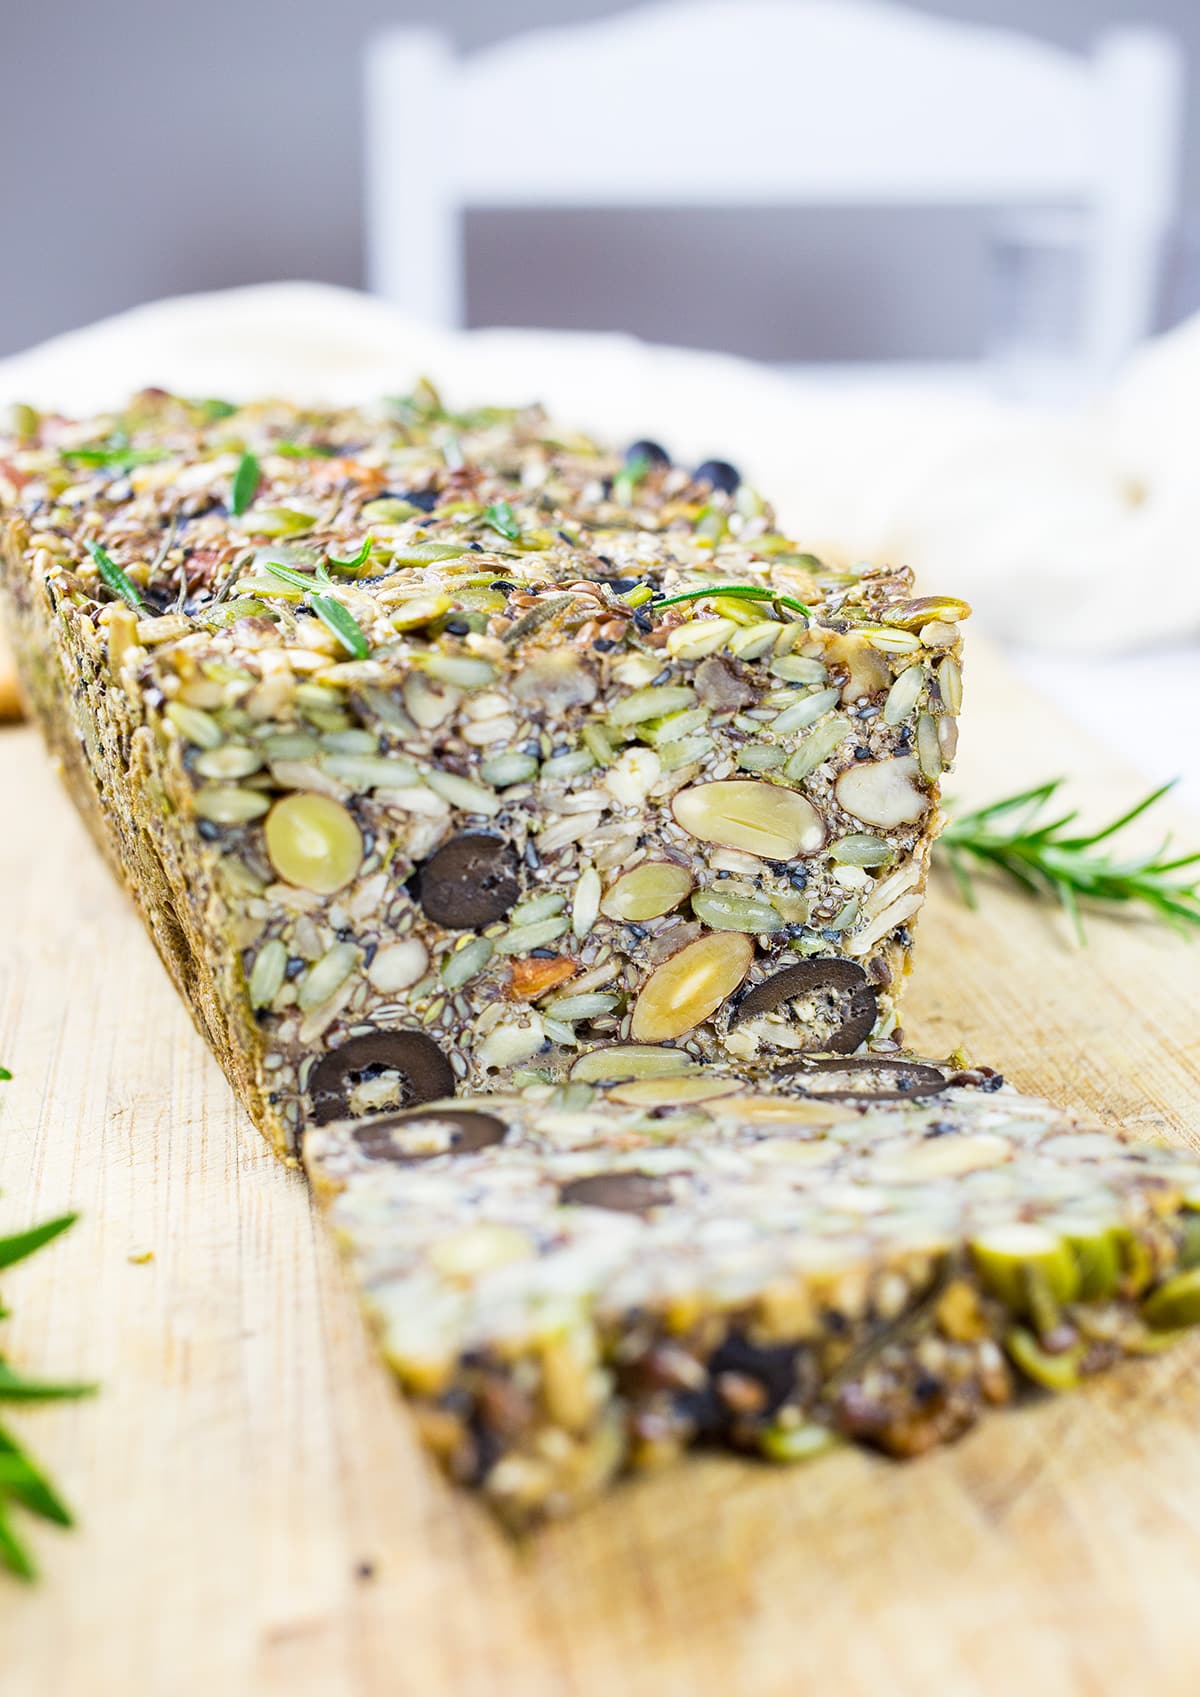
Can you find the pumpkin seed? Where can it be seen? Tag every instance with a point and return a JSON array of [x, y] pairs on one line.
[[734, 913], [467, 962], [267, 973], [806, 711], [904, 694], [653, 702], [817, 746]]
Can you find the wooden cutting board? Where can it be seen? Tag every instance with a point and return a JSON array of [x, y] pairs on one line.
[[256, 1516]]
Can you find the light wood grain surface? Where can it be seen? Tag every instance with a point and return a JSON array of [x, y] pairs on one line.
[[257, 1518]]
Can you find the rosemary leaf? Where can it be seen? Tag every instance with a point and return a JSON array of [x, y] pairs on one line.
[[303, 450], [501, 518], [245, 484], [738, 592], [21, 1244], [113, 577], [342, 623], [14, 1387], [13, 1554], [23, 1484], [360, 559], [1045, 857], [115, 454], [628, 478], [288, 574], [20, 1477]]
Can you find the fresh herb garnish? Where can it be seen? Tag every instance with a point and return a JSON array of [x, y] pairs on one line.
[[331, 613], [20, 1244], [736, 592], [245, 484], [5, 1074], [422, 405], [628, 478], [501, 518], [115, 453], [359, 560], [113, 576], [214, 410], [20, 1478], [1044, 858], [14, 1387], [22, 1482], [343, 624], [288, 574]]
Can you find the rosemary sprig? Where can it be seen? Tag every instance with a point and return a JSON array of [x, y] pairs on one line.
[[22, 1482], [331, 613], [1044, 857], [736, 592]]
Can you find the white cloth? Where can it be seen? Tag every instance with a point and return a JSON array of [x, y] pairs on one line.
[[1074, 530]]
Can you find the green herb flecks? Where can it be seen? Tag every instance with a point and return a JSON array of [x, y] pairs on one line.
[[627, 479], [331, 613], [115, 454], [23, 1485], [501, 518], [342, 623], [736, 592], [360, 559], [423, 405], [113, 577], [214, 410], [304, 450], [1045, 858], [245, 484], [5, 1074], [288, 574]]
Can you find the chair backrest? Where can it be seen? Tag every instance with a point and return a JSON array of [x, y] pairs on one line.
[[771, 102]]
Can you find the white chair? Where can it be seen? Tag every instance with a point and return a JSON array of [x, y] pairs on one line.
[[779, 103]]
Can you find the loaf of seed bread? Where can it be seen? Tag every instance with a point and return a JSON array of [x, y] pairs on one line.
[[586, 1280], [448, 751]]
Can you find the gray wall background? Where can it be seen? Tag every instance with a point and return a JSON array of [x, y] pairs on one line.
[[154, 149]]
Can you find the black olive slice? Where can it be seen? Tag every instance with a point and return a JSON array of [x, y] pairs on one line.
[[425, 1072], [382, 1139], [868, 1078], [624, 1193], [470, 881], [840, 989], [719, 474], [648, 453]]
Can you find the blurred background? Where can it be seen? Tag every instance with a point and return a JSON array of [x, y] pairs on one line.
[[157, 150], [959, 239]]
